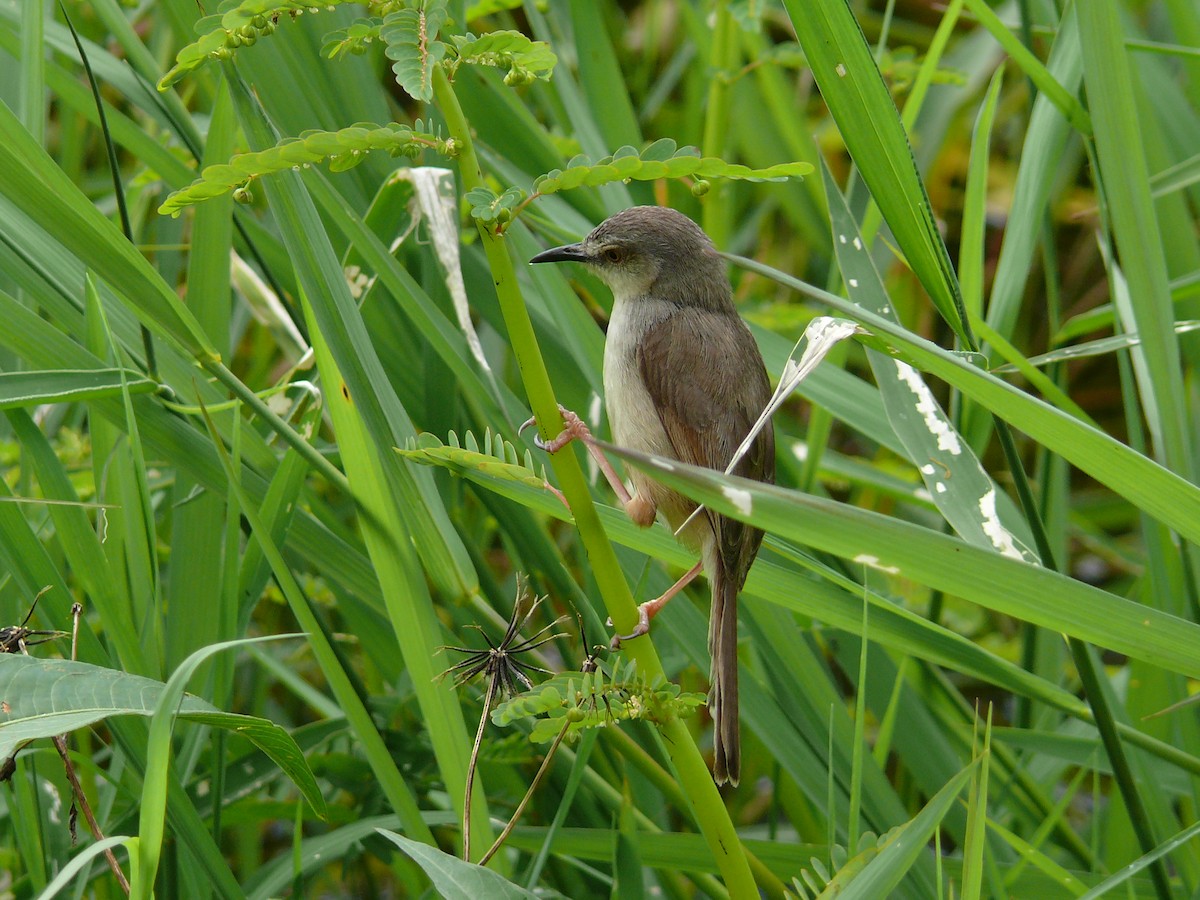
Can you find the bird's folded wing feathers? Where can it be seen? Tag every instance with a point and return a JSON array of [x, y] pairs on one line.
[[708, 401]]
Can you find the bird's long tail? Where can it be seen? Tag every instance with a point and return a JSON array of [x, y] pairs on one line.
[[723, 697]]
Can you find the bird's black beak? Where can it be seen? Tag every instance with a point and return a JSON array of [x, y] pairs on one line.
[[569, 253]]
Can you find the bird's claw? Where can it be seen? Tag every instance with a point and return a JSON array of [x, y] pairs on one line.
[[573, 428], [642, 628]]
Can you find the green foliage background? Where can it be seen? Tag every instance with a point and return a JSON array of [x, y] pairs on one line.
[[243, 398]]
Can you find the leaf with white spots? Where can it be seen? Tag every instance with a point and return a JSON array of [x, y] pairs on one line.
[[866, 559], [953, 475], [740, 499]]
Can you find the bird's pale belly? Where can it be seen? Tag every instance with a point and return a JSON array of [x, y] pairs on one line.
[[635, 423], [631, 414]]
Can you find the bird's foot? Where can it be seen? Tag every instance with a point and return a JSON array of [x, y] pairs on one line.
[[642, 627], [574, 428], [650, 608]]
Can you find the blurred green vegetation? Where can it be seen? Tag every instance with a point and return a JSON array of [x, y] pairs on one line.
[[968, 644]]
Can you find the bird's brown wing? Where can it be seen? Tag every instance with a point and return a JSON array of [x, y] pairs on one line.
[[707, 402], [706, 378]]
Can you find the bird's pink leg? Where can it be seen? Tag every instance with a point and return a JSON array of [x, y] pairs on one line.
[[650, 608], [639, 508], [574, 428]]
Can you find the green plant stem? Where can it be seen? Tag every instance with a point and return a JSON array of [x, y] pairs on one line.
[[768, 881], [710, 813], [289, 434], [471, 766], [722, 61], [533, 786], [1098, 699]]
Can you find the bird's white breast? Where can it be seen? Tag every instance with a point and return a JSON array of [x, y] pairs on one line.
[[631, 413]]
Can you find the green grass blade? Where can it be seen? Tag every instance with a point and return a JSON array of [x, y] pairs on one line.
[[902, 847], [382, 765], [1059, 95], [953, 475], [971, 255], [1158, 491], [1035, 180], [1108, 78], [39, 188], [991, 579], [845, 71]]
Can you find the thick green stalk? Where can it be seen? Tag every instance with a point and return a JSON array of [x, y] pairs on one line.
[[694, 777], [722, 60]]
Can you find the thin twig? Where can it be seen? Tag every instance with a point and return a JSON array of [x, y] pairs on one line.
[[79, 800], [533, 786], [589, 665], [76, 613], [466, 824], [60, 742]]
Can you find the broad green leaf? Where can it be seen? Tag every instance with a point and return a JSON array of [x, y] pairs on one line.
[[455, 879], [48, 697], [45, 697]]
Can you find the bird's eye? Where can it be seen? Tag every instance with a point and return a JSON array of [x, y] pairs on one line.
[[614, 255]]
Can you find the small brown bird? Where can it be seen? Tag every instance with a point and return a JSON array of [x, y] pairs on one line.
[[683, 378]]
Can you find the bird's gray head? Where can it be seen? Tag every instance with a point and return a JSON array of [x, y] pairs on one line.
[[651, 251]]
